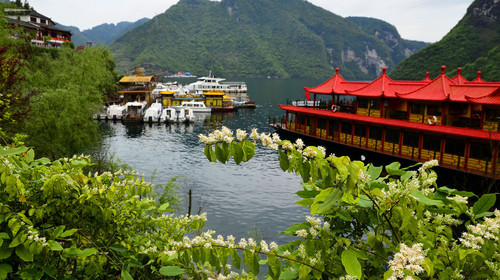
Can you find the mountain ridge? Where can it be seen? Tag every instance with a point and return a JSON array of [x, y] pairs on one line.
[[253, 38]]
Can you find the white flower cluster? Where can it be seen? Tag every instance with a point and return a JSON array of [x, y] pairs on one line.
[[490, 229], [33, 235], [408, 258], [348, 277], [147, 248], [223, 135]]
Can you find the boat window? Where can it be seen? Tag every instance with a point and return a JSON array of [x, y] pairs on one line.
[[392, 136], [492, 114], [432, 143], [322, 123], [346, 128], [376, 133], [334, 125], [434, 110], [301, 119], [480, 151], [417, 108], [375, 104], [291, 118], [360, 130], [363, 103], [410, 139], [454, 146], [458, 108]]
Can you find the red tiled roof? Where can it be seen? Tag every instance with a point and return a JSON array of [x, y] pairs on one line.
[[438, 129], [462, 93], [437, 90], [335, 84], [459, 79]]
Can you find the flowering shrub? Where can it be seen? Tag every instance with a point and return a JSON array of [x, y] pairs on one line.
[[366, 222], [370, 222]]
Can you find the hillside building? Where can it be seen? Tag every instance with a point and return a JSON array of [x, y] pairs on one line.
[[42, 29]]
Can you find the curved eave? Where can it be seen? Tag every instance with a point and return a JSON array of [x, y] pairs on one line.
[[424, 127]]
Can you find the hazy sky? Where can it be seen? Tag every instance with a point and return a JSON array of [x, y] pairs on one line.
[[423, 20]]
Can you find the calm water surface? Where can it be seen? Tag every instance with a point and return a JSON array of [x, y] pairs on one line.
[[254, 198]]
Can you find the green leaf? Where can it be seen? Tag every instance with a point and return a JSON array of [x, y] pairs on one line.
[[248, 150], [209, 153], [24, 253], [418, 195], [374, 171], [484, 203], [305, 171], [284, 163], [237, 151], [57, 232], [54, 245], [87, 252], [126, 275], [5, 269], [13, 151], [163, 207], [68, 233], [351, 264], [5, 251], [171, 271], [236, 259], [219, 153], [394, 169], [118, 247], [285, 275]]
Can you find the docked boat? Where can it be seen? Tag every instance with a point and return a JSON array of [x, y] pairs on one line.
[[134, 111], [176, 114], [115, 112], [153, 113], [452, 120], [195, 106], [233, 90]]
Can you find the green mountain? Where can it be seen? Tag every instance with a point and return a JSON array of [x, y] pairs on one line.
[[104, 34], [473, 44], [255, 38]]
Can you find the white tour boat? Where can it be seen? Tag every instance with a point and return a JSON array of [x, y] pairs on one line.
[[233, 90], [195, 106], [134, 111], [153, 113], [115, 112]]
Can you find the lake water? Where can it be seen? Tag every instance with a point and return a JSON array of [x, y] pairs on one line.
[[252, 199]]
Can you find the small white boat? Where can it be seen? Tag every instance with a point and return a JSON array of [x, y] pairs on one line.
[[181, 115], [196, 106], [134, 111], [153, 113], [115, 112], [168, 115], [189, 114]]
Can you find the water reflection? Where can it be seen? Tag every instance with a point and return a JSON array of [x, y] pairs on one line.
[[256, 195]]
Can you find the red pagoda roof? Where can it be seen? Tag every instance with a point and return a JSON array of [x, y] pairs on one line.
[[437, 90], [424, 127], [459, 79], [335, 84]]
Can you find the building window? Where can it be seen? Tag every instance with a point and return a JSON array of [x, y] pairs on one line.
[[392, 136], [360, 130], [346, 128], [33, 19], [410, 139], [376, 133], [480, 151], [417, 108], [42, 21], [455, 147], [434, 110], [432, 143], [363, 103]]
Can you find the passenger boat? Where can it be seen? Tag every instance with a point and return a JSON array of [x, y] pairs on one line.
[[177, 114], [452, 120], [153, 113], [233, 90], [115, 112], [195, 106], [134, 111]]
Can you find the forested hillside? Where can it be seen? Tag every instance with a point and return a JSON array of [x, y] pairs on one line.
[[104, 34], [255, 38], [472, 44]]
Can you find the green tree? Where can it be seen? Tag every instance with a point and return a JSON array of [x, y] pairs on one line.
[[71, 87]]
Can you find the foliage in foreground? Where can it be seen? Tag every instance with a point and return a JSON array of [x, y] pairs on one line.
[[366, 222]]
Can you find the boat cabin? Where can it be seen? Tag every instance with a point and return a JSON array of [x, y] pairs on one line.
[[453, 120]]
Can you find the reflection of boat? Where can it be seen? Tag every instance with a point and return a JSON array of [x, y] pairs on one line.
[[153, 113], [115, 112], [134, 111]]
